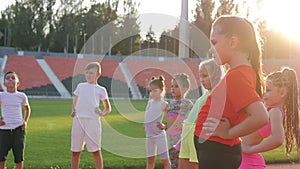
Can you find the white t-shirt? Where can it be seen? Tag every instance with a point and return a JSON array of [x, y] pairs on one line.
[[89, 97], [11, 107]]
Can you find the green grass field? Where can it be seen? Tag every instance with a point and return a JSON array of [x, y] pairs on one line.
[[49, 132]]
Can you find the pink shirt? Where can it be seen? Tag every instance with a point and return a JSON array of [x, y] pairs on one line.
[[265, 131]]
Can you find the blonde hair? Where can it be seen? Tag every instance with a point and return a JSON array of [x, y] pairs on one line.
[[214, 71], [93, 65], [183, 80]]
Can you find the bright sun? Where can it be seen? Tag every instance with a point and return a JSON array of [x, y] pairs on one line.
[[282, 16]]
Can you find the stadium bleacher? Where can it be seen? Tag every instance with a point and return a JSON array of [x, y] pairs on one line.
[[33, 79], [70, 71], [143, 70], [271, 65]]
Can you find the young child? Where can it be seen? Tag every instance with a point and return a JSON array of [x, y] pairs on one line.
[[177, 110], [210, 75], [155, 137], [12, 131], [281, 97], [86, 126], [236, 97]]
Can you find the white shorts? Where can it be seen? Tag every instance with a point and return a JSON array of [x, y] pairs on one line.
[[160, 143], [86, 131]]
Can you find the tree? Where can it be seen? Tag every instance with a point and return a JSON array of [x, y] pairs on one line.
[[128, 30], [27, 22], [205, 14], [150, 41], [4, 25], [34, 24], [23, 35], [168, 42]]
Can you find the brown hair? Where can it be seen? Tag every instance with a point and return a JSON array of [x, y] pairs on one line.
[[159, 82], [244, 30], [93, 65], [287, 78], [11, 72]]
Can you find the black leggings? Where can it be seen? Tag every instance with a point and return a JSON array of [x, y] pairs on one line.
[[214, 155]]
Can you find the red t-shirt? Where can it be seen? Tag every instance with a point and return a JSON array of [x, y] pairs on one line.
[[228, 99]]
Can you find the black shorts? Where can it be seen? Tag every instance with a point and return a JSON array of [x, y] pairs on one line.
[[12, 139], [214, 155]]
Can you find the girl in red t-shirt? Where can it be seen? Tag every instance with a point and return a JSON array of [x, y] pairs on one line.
[[237, 97]]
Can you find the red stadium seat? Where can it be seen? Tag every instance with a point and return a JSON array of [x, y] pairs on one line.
[[69, 67], [29, 71], [143, 70]]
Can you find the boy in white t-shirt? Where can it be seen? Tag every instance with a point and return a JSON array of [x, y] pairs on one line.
[[13, 125], [86, 126]]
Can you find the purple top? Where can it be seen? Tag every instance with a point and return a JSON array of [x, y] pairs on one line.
[[154, 114]]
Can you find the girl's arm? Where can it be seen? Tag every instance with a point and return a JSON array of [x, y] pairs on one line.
[[257, 118], [27, 112], [74, 106], [277, 134], [161, 125]]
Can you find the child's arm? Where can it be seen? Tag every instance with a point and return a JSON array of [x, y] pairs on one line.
[[107, 108], [1, 121], [161, 125], [74, 106], [27, 112], [277, 135], [257, 118]]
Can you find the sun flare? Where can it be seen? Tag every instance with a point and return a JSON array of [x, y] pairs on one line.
[[282, 16]]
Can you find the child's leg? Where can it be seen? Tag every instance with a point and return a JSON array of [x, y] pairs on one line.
[[19, 165], [2, 165], [184, 163], [162, 149], [18, 145], [166, 163], [151, 162], [98, 159], [193, 165], [5, 140], [174, 157], [173, 153], [75, 160]]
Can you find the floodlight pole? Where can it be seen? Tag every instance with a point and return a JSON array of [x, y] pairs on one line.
[[183, 51]]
